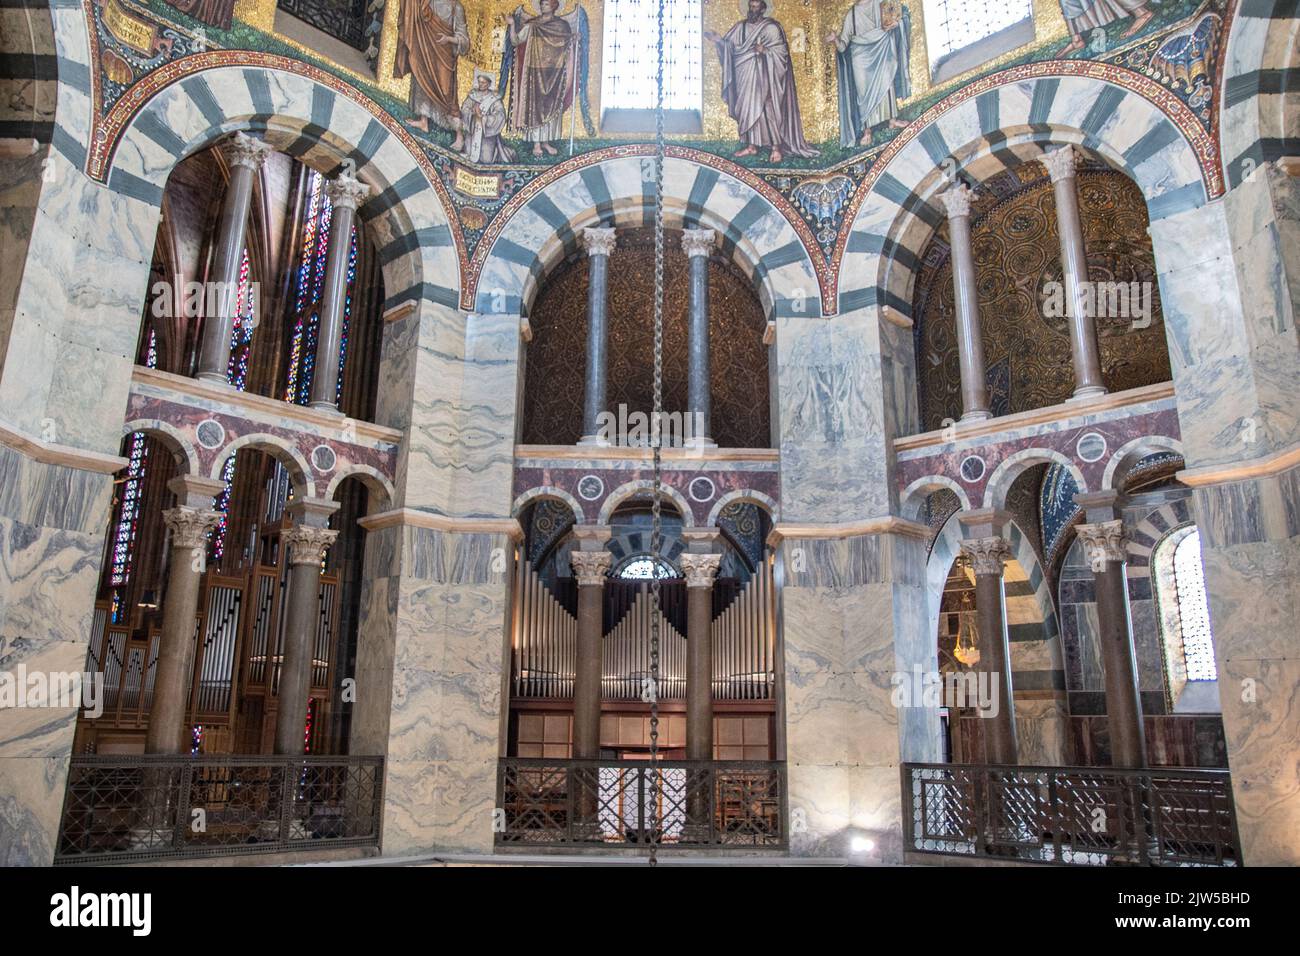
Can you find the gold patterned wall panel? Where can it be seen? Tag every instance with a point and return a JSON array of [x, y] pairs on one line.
[[1017, 253], [556, 361]]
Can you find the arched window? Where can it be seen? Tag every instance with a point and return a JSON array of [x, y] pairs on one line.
[[1184, 619], [963, 34], [643, 567], [627, 88]]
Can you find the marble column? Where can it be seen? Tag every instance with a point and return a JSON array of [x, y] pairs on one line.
[[988, 556], [302, 545], [590, 568], [245, 156], [1060, 165], [1103, 542], [970, 348], [698, 244], [345, 193], [189, 523], [700, 570], [600, 245]]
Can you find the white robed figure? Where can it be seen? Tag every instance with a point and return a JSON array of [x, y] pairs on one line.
[[483, 117], [872, 60]]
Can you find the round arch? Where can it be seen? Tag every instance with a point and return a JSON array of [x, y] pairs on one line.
[[279, 449], [912, 500], [324, 124], [1257, 117], [378, 486], [641, 487], [1132, 452], [542, 228], [548, 491], [748, 495], [980, 130], [1011, 467], [171, 437]]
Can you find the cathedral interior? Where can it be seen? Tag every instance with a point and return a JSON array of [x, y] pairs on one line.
[[826, 429]]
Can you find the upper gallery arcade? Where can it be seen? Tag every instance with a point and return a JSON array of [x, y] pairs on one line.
[[326, 356]]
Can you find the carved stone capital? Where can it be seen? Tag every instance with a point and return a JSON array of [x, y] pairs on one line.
[[244, 150], [957, 199], [698, 242], [599, 242], [700, 569], [987, 555], [1103, 541], [306, 543], [590, 566], [346, 191], [190, 526], [1060, 163]]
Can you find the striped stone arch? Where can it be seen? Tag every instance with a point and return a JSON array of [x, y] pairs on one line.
[[323, 127], [543, 229], [1146, 534], [1014, 121], [1259, 104], [1033, 632]]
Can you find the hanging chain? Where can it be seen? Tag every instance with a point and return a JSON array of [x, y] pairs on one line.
[[656, 523]]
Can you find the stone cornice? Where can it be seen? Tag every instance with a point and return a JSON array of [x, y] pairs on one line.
[[628, 453], [1274, 464], [1038, 416], [410, 517], [849, 529], [52, 453], [325, 424]]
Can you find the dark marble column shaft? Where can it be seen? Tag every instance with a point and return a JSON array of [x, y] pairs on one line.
[[970, 347], [303, 545], [600, 245], [189, 523], [245, 156], [698, 244], [1103, 542], [700, 571], [987, 557], [1060, 165], [345, 193], [590, 568]]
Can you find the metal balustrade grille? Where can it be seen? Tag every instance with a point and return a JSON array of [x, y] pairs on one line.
[[1097, 816], [688, 804], [126, 809]]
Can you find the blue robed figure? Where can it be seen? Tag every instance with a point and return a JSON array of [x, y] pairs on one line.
[[872, 60]]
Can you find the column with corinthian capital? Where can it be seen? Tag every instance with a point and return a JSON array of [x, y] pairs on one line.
[[1060, 165], [189, 524], [970, 347], [589, 566], [303, 545], [987, 557], [345, 193], [245, 156], [698, 244], [1103, 543], [700, 571], [600, 245]]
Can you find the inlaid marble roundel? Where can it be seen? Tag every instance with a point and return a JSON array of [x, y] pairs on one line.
[[590, 487], [702, 489], [972, 468], [1090, 447], [323, 458], [210, 433]]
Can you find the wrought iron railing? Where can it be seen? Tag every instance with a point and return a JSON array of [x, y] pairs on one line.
[[1099, 816], [126, 809], [683, 803]]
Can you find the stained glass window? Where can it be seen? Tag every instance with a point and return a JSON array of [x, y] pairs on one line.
[[630, 54], [241, 347], [951, 25], [132, 491], [645, 568], [311, 283], [1193, 611]]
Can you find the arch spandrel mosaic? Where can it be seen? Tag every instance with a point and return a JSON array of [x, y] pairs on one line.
[[141, 46]]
